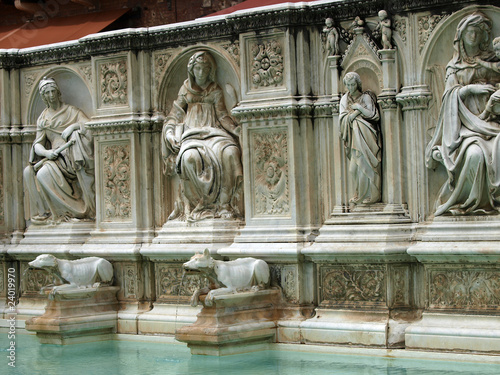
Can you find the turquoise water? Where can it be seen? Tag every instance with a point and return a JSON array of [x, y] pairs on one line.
[[132, 357]]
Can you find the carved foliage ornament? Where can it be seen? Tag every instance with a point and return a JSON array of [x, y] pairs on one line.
[[171, 282], [113, 83], [286, 278], [34, 279], [117, 189], [350, 285], [270, 170], [234, 50], [267, 64], [464, 289], [161, 65], [426, 25]]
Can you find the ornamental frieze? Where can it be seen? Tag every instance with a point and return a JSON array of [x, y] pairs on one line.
[[347, 285], [464, 289], [172, 285]]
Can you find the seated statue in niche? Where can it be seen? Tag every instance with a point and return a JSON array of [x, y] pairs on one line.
[[466, 140], [360, 131], [200, 143], [60, 177]]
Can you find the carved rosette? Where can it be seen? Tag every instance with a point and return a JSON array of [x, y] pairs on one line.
[[113, 83], [352, 286], [426, 25], [172, 287], [471, 289], [34, 279], [117, 181], [266, 64], [270, 173]]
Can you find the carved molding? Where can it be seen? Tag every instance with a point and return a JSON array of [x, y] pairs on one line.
[[117, 182], [266, 62], [265, 113], [414, 98], [270, 173], [122, 127], [113, 83], [348, 285], [474, 289]]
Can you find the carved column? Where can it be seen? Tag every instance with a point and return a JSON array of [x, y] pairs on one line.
[[339, 177], [391, 134], [414, 101]]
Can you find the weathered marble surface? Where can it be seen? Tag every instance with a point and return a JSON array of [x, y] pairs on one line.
[[387, 273]]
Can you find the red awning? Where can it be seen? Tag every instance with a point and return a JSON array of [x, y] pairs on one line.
[[56, 30], [249, 4]]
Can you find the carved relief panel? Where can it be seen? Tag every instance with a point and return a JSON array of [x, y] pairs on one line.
[[129, 276], [471, 288], [352, 286], [112, 83], [286, 277], [265, 65], [270, 173], [32, 280], [172, 287]]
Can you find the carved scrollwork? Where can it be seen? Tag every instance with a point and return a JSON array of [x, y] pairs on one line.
[[113, 83], [171, 284], [270, 167], [464, 289], [267, 64], [234, 50], [161, 64], [117, 191], [400, 26], [86, 70], [34, 279], [130, 280], [352, 285], [426, 25]]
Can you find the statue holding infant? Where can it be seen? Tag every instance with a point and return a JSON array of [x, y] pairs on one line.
[[60, 177], [200, 144], [467, 137]]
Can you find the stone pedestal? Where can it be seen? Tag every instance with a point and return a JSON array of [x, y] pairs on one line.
[[236, 323], [77, 315]]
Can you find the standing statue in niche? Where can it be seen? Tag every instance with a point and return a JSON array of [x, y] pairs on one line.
[[200, 140], [60, 176], [466, 141], [332, 38], [359, 126], [383, 29]]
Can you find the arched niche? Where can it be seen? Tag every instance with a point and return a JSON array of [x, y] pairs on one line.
[[73, 89], [227, 76], [436, 55], [370, 73]]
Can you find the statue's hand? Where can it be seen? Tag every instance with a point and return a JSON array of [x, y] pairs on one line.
[[478, 89], [51, 155]]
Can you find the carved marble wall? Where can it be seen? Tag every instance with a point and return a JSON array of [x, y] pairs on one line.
[[393, 268]]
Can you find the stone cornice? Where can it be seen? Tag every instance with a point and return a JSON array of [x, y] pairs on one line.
[[212, 28]]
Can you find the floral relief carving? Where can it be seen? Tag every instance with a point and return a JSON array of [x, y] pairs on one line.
[[345, 285], [171, 282], [87, 72], [161, 65], [130, 279], [234, 50], [267, 64], [34, 279], [400, 28], [113, 83], [29, 81], [270, 170], [464, 289], [286, 278], [426, 25], [117, 191], [400, 279]]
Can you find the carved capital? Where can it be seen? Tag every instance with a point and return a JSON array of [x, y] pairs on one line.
[[387, 101], [414, 97]]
